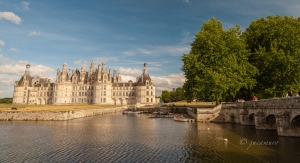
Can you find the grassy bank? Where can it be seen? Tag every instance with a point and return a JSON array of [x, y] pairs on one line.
[[192, 104], [7, 107]]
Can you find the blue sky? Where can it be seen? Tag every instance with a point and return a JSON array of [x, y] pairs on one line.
[[123, 33]]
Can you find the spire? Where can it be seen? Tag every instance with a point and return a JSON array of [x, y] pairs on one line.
[[92, 66]]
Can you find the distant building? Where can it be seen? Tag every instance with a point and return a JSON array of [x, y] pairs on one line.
[[96, 86]]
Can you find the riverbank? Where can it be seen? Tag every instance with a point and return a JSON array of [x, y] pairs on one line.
[[62, 113]]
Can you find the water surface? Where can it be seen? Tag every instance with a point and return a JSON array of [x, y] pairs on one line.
[[136, 138]]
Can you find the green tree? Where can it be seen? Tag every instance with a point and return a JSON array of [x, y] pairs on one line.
[[180, 94], [217, 65], [165, 96], [274, 44]]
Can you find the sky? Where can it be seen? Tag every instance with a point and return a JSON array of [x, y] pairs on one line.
[[123, 33]]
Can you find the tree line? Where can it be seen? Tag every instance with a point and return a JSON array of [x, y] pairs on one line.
[[6, 100], [229, 64], [172, 96]]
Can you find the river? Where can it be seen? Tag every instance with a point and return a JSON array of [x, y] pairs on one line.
[[137, 138]]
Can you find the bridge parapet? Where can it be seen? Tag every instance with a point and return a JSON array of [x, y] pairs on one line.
[[279, 103]]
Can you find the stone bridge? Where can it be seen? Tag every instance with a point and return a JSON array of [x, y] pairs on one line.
[[281, 114]]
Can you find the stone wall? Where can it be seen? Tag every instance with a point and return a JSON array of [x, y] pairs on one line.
[[228, 113], [55, 115], [204, 114]]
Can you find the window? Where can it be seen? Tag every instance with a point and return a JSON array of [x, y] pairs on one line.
[[113, 93], [147, 93]]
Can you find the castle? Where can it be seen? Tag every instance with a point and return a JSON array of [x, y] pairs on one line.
[[96, 86]]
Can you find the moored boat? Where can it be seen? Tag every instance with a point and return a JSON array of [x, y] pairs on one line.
[[180, 118]]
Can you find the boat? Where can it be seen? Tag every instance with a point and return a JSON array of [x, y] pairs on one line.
[[180, 118]]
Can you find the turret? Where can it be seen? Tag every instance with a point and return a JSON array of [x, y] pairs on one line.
[[65, 67], [27, 72], [145, 68], [92, 67], [103, 66]]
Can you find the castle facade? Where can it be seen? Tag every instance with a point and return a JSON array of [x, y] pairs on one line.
[[95, 86]]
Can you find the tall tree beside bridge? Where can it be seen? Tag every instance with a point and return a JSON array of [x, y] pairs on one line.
[[274, 44], [217, 66]]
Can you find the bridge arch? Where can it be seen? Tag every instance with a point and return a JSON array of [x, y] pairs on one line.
[[271, 122], [295, 124], [251, 119]]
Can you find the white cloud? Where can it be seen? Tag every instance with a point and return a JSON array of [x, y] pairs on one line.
[[3, 59], [10, 16], [13, 49], [6, 85], [18, 69], [129, 71], [25, 5], [34, 33], [172, 50], [186, 1], [126, 78], [6, 81], [2, 43], [168, 82], [128, 53]]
